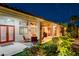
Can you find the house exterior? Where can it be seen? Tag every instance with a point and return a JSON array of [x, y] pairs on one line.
[[16, 26]]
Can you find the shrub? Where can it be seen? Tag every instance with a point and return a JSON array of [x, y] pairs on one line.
[[64, 46], [55, 40], [50, 50], [33, 51], [26, 52]]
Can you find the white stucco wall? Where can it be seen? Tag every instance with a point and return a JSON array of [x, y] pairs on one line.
[[37, 30], [10, 20], [7, 20]]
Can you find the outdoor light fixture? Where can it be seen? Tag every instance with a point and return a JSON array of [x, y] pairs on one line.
[[8, 20]]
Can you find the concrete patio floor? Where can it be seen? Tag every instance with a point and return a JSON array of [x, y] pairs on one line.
[[75, 45], [14, 48]]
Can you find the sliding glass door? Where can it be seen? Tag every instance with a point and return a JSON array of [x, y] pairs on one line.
[[7, 33]]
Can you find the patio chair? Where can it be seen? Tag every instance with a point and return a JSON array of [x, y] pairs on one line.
[[26, 39]]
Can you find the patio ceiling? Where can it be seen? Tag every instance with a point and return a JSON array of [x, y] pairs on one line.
[[52, 12]]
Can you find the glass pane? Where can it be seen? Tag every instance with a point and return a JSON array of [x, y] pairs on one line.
[[3, 33], [10, 33]]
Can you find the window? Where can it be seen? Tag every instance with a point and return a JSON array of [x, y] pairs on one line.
[[22, 28]]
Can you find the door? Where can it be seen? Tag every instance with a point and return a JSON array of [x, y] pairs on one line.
[[11, 33], [3, 34], [7, 33]]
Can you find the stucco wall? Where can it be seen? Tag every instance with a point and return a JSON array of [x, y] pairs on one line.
[[7, 20], [36, 30]]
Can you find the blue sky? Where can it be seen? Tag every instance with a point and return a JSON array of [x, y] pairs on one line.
[[53, 12]]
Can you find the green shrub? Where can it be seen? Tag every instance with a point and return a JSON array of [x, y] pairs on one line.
[[26, 52], [55, 40], [64, 46], [33, 51], [50, 50]]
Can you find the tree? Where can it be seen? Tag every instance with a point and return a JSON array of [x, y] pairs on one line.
[[72, 28], [74, 19]]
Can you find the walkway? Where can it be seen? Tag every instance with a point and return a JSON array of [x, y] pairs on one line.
[[13, 48], [76, 45]]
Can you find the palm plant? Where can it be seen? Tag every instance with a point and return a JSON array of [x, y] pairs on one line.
[[72, 28], [74, 19]]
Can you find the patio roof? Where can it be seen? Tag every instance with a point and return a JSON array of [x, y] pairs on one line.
[[52, 12]]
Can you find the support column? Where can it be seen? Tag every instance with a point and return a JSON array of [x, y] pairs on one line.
[[40, 33]]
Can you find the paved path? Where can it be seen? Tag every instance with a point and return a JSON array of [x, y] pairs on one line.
[[76, 45], [14, 48]]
